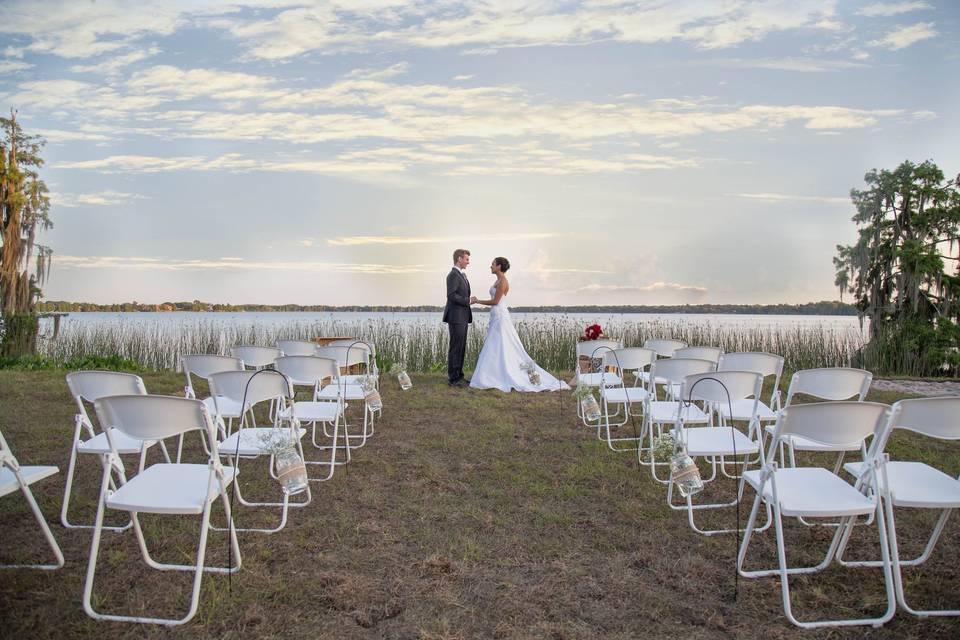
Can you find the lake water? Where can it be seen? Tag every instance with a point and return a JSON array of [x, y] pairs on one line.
[[282, 318]]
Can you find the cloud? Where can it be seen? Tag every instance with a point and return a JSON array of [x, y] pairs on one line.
[[352, 241], [904, 36], [115, 64], [12, 66], [781, 197], [231, 162], [141, 263], [885, 9], [799, 64], [652, 287], [106, 198]]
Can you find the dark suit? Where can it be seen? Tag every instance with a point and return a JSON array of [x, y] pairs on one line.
[[457, 314]]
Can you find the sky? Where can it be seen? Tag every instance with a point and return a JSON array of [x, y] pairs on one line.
[[645, 152]]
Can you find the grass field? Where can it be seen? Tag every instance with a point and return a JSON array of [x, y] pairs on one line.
[[468, 515]]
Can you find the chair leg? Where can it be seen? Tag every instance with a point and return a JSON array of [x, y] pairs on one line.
[[898, 565], [44, 527], [68, 492]]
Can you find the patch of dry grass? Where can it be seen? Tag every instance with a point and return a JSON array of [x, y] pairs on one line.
[[468, 515]]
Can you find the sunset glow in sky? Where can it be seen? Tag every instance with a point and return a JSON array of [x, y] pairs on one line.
[[337, 152]]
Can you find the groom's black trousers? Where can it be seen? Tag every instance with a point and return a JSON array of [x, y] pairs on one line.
[[458, 347]]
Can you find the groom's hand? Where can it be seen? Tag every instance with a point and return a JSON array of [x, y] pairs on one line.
[[473, 299]]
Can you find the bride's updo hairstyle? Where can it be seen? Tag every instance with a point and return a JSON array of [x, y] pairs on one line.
[[503, 263]]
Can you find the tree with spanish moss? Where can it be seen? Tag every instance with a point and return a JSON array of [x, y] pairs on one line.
[[904, 268], [24, 212]]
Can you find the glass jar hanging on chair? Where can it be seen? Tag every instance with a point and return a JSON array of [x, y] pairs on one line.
[[291, 472]]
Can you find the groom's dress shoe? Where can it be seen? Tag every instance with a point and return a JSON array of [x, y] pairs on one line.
[[461, 383]]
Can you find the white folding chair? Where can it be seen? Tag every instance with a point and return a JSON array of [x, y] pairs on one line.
[[696, 353], [168, 489], [311, 371], [256, 357], [618, 363], [715, 389], [246, 389], [664, 348], [297, 347], [13, 476], [833, 384], [589, 353], [371, 358], [699, 353], [766, 364], [90, 386], [814, 492], [203, 366], [348, 386], [667, 412], [915, 485]]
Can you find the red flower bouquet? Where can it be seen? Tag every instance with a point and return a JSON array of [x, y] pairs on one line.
[[592, 332]]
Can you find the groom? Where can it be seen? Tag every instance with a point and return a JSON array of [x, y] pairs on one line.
[[457, 315]]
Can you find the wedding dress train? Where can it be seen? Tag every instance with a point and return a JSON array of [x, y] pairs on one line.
[[502, 356]]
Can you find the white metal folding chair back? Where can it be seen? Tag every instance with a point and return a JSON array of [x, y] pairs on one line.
[[663, 346], [596, 348], [204, 365], [169, 489], [718, 387], [933, 417], [13, 477], [833, 423], [356, 344], [629, 359], [253, 356], [699, 353], [766, 364], [155, 417], [814, 492], [837, 383], [307, 370], [253, 386], [297, 347], [90, 386], [346, 356], [673, 371]]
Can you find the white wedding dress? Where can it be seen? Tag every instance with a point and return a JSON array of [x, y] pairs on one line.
[[499, 365]]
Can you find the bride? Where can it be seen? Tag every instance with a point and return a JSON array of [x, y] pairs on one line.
[[502, 357]]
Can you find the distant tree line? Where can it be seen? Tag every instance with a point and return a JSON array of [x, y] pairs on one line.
[[824, 308]]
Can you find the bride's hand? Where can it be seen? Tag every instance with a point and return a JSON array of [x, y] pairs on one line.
[[473, 299]]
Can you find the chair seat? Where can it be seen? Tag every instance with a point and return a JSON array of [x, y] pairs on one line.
[[622, 394], [352, 378], [125, 444], [812, 492], [169, 488], [594, 379], [805, 444], [915, 484], [718, 441], [742, 410], [666, 411], [228, 407], [349, 391], [314, 411], [251, 441], [31, 474]]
